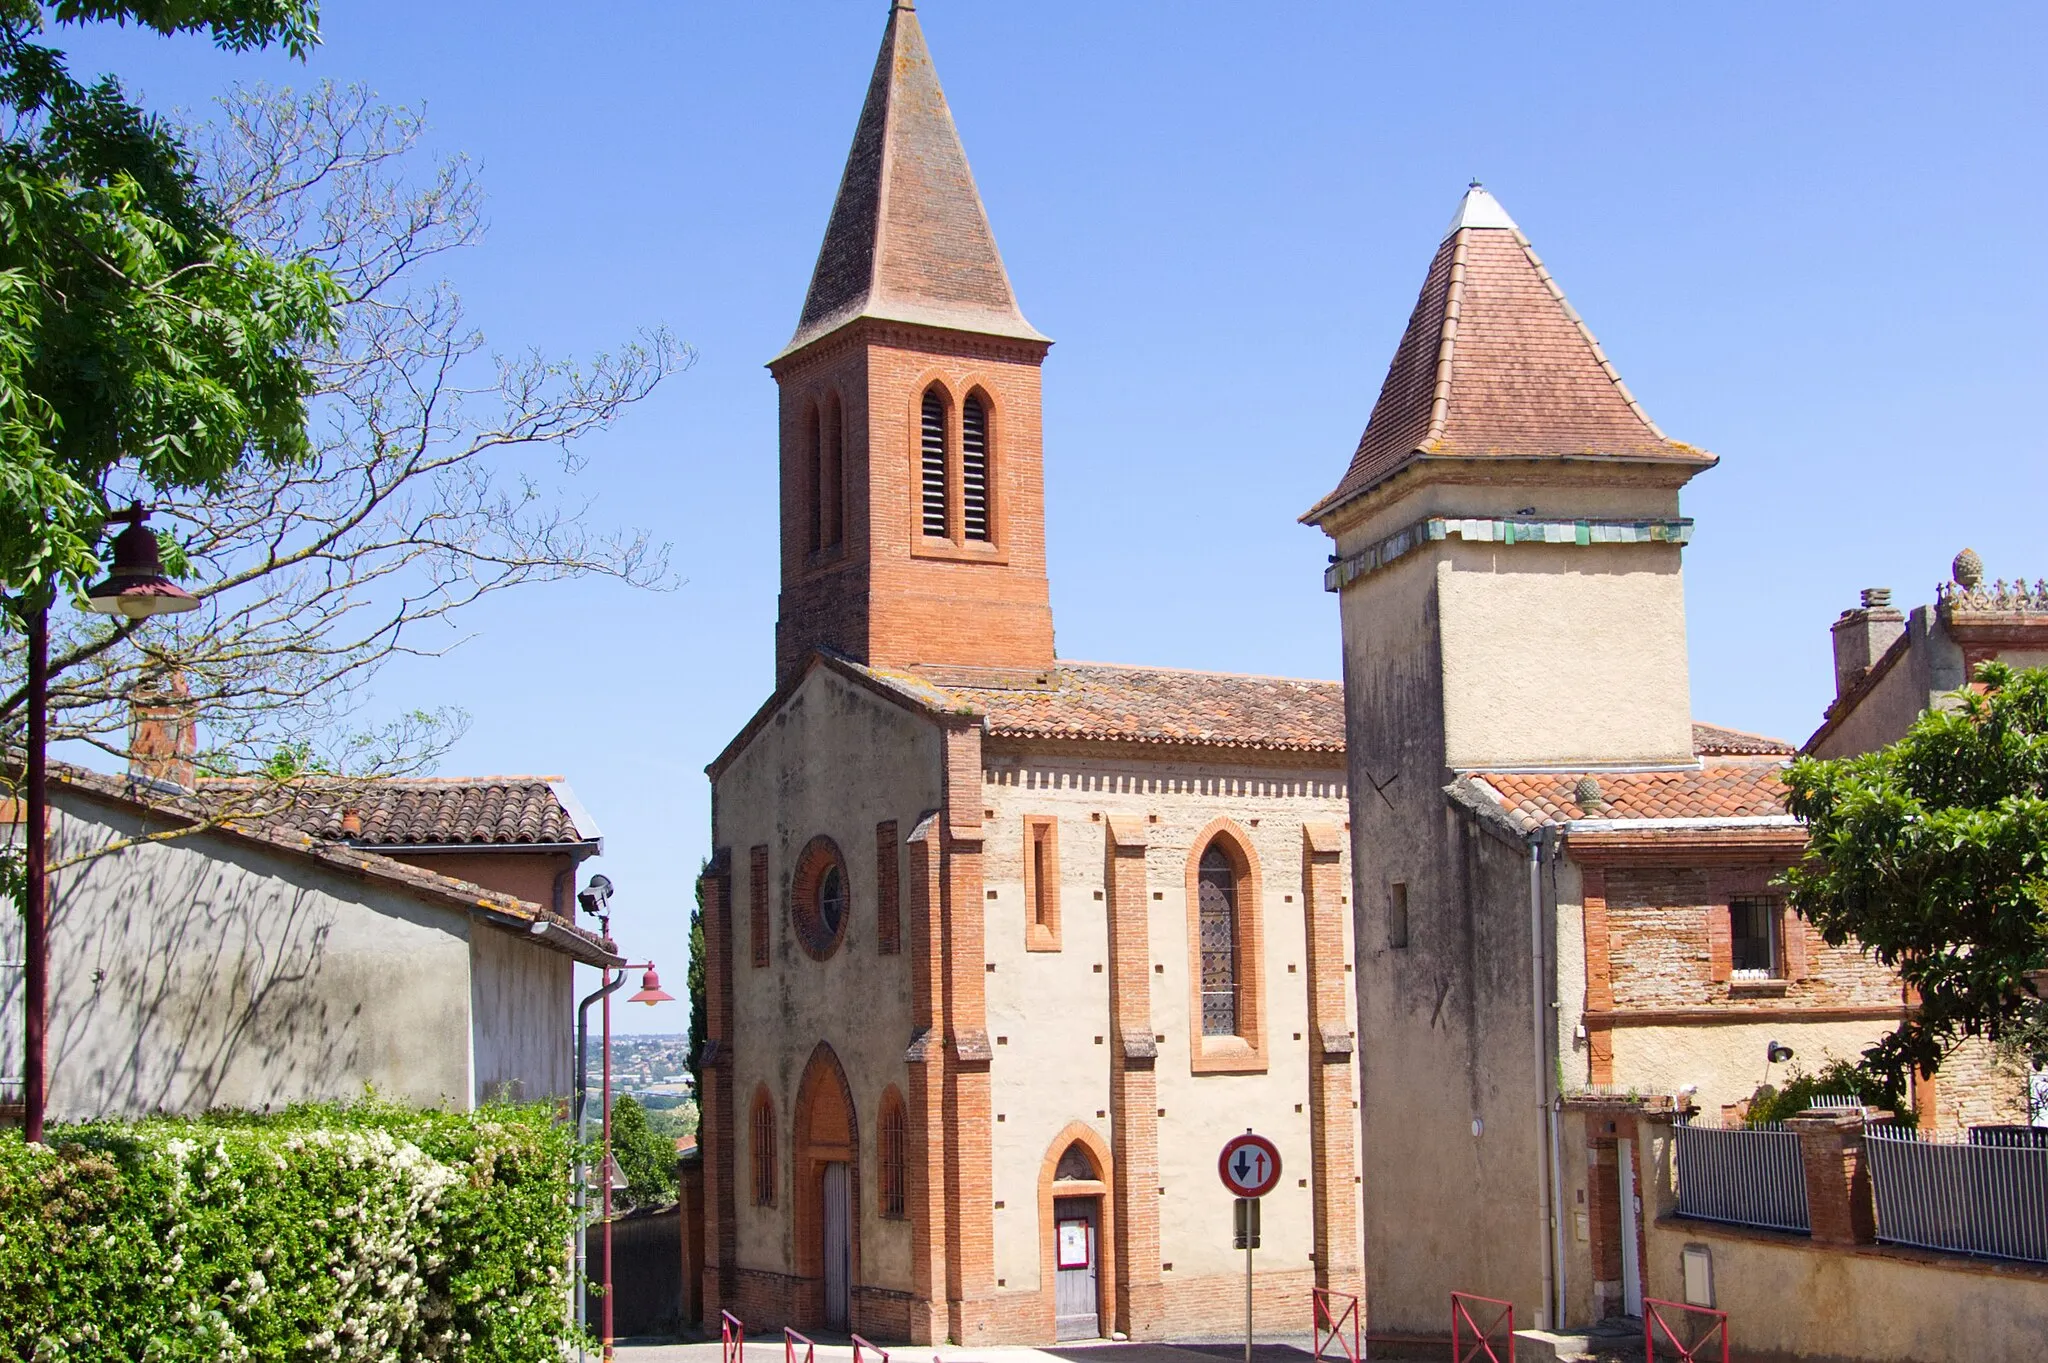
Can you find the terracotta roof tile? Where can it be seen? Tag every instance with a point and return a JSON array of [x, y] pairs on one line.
[[1496, 364], [477, 811], [1105, 701], [1711, 740], [1717, 789], [909, 239]]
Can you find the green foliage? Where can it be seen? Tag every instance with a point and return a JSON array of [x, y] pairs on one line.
[[673, 1119], [1837, 1078], [1933, 854], [694, 987], [142, 345], [645, 1156], [321, 1232]]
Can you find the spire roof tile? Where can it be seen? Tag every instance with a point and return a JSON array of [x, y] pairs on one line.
[[909, 239]]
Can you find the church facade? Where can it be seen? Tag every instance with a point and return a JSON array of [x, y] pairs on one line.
[[1001, 947]]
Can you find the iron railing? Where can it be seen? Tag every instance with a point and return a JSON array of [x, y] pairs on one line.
[[1743, 1175], [1983, 1199], [1334, 1311]]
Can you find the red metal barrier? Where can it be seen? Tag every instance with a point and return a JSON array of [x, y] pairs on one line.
[[790, 1339], [732, 1338], [1703, 1328], [1330, 1322], [1500, 1325], [860, 1344]]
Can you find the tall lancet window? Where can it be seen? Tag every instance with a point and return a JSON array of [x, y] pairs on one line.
[[934, 464], [831, 474], [1217, 887], [974, 468], [813, 470]]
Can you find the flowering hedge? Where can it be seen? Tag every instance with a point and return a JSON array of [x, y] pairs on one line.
[[359, 1232]]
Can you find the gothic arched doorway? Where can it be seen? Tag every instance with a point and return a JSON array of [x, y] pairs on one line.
[[826, 1178]]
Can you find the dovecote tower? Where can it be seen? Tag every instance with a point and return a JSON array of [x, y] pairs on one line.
[[1508, 534], [913, 524]]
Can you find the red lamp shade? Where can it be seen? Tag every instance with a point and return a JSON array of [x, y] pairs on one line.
[[136, 586], [651, 991]]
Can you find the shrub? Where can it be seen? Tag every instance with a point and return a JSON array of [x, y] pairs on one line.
[[322, 1232], [1837, 1078]]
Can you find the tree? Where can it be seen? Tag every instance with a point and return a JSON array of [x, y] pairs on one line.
[[1933, 854], [140, 337], [695, 988], [646, 1158], [425, 485]]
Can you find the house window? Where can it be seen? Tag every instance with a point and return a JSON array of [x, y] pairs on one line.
[[894, 1155], [762, 1152], [932, 449], [974, 503], [1041, 884], [818, 898], [757, 902], [1397, 914], [1753, 937], [1218, 910]]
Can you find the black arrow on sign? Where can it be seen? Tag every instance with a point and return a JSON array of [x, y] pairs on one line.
[[1244, 1167]]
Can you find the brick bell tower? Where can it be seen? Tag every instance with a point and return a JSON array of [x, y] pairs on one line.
[[913, 507]]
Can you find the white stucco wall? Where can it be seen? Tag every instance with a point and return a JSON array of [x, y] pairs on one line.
[[521, 1000], [204, 972]]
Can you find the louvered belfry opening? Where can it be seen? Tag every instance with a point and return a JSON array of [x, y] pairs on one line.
[[974, 468], [831, 475], [813, 456], [934, 464], [1218, 893]]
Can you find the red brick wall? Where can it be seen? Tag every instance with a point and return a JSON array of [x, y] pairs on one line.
[[891, 597], [1331, 1046]]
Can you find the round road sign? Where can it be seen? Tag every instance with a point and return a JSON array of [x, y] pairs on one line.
[[1250, 1166]]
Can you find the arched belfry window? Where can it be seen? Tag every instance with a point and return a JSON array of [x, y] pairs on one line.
[[974, 504], [932, 448], [1217, 890], [814, 467]]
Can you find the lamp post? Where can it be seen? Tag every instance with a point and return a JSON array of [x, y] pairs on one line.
[[135, 588]]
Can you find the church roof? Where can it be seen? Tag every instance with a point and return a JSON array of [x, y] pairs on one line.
[[1116, 703], [909, 239], [1496, 364]]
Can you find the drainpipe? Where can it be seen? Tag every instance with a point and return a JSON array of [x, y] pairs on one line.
[[1546, 1124], [1552, 1110]]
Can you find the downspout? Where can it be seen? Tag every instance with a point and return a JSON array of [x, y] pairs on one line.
[[1551, 1109], [1547, 1123]]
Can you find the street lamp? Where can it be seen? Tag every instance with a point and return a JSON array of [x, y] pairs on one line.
[[135, 589], [595, 898]]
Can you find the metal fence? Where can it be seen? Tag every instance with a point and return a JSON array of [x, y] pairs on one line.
[[1744, 1175], [1987, 1199]]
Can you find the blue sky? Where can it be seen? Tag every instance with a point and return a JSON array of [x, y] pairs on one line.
[[1807, 235]]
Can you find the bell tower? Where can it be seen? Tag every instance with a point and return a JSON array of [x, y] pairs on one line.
[[913, 507]]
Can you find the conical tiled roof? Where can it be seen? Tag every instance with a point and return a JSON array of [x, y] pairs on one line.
[[909, 239], [1495, 363]]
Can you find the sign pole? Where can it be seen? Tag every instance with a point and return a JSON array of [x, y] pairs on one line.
[[1251, 1238], [1250, 1168]]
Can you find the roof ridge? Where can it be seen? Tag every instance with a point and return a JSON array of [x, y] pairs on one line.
[[1195, 671]]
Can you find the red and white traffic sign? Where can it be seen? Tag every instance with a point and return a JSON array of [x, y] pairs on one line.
[[1250, 1166]]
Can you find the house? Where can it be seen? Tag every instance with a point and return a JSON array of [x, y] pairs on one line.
[[252, 945], [1002, 947], [1566, 887]]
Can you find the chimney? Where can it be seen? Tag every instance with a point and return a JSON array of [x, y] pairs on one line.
[[163, 732], [1862, 636]]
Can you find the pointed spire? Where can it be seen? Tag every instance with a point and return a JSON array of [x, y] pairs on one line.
[[909, 239], [1495, 363]]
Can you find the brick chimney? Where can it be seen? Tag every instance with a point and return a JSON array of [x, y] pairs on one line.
[[163, 732], [1862, 636]]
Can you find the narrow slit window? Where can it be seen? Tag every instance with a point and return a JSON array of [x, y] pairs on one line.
[[1217, 887], [894, 1161], [763, 1152], [831, 475], [814, 475], [1397, 914], [1041, 891], [974, 506], [934, 464]]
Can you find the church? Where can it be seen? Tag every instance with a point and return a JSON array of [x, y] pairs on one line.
[[1002, 947]]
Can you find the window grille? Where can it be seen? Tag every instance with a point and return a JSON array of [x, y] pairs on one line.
[[757, 902], [974, 468], [934, 449], [1218, 914], [1753, 937], [764, 1152], [895, 1171]]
